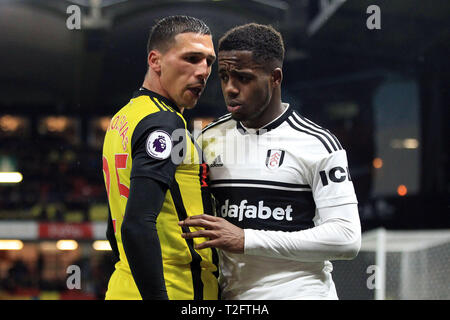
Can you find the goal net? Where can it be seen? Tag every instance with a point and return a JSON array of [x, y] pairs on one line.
[[397, 265]]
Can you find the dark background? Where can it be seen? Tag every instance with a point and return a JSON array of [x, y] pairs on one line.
[[371, 88]]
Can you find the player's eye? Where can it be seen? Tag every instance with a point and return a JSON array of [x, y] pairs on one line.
[[223, 77], [191, 59], [244, 79], [210, 62]]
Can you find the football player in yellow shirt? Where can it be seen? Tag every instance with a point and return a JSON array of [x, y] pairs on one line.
[[151, 187]]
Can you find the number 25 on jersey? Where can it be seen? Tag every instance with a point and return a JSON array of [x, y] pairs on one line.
[[120, 162]]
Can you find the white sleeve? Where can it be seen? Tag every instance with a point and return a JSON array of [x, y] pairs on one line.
[[338, 237], [331, 181]]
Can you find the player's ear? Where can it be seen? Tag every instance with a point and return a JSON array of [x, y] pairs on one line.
[[154, 60], [277, 77]]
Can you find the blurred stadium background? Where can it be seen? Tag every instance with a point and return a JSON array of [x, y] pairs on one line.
[[384, 93]]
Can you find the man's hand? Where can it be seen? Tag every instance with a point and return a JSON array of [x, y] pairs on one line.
[[222, 234]]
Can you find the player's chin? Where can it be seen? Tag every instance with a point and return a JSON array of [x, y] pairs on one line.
[[190, 101], [190, 105], [238, 116]]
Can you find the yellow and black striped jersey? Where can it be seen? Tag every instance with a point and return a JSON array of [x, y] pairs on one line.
[[148, 138]]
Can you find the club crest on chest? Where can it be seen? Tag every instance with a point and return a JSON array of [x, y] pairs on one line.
[[274, 158]]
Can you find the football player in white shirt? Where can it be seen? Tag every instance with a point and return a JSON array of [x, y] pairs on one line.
[[285, 206]]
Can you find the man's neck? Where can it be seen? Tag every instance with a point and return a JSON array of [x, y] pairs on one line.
[[156, 87], [271, 113]]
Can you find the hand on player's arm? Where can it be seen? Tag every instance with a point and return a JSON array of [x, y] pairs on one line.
[[221, 233]]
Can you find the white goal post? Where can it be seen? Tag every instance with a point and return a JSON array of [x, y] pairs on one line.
[[397, 265]]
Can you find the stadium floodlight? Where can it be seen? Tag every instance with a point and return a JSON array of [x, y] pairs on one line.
[[11, 245], [101, 245], [66, 245], [10, 177]]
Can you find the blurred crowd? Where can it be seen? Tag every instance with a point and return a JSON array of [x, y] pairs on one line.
[[58, 177], [45, 277]]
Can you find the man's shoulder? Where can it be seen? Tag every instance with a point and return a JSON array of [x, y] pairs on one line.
[[145, 103], [219, 125], [311, 136], [142, 114], [143, 111]]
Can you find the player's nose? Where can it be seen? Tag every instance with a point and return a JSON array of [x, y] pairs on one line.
[[231, 90], [203, 70]]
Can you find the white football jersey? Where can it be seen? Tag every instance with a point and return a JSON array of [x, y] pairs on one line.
[[275, 178]]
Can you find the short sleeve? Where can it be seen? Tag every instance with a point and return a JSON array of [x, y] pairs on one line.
[[331, 181], [154, 141]]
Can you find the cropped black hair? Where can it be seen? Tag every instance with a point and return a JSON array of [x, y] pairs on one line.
[[165, 30], [263, 41]]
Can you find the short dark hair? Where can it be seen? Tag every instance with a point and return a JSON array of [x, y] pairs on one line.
[[165, 30], [263, 41]]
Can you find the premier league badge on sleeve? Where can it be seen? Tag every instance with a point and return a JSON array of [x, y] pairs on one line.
[[274, 158], [159, 145]]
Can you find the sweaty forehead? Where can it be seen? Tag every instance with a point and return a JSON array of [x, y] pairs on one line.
[[237, 59]]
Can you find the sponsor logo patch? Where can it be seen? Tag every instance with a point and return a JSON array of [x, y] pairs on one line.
[[217, 162], [159, 145], [245, 210]]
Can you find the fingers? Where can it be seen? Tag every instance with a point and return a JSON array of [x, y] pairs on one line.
[[218, 232], [199, 234], [202, 220], [207, 244], [203, 216], [210, 224]]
